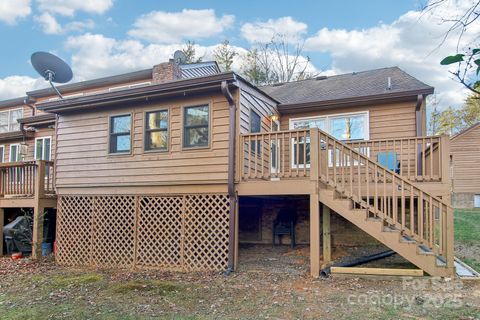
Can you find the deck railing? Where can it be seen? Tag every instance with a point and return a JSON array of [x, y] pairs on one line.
[[286, 154], [418, 158], [353, 170], [19, 178]]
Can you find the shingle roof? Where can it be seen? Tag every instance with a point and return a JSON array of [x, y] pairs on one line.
[[345, 86]]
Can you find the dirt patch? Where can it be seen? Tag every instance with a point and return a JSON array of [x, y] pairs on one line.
[[277, 289]]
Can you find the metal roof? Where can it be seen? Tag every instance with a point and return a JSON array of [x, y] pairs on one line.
[[201, 69], [347, 86]]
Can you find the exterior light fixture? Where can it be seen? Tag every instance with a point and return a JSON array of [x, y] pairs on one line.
[[273, 117]]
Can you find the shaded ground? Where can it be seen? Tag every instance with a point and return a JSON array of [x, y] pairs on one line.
[[271, 283], [273, 286]]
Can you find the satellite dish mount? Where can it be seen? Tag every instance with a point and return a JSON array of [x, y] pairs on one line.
[[52, 69], [179, 57]]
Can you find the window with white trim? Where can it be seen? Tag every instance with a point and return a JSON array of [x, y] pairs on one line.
[[345, 127], [14, 152], [8, 120], [43, 148], [2, 154]]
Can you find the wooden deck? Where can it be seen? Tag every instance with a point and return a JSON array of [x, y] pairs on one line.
[[412, 201], [28, 184]]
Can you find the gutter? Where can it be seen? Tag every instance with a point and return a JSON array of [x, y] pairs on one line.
[[231, 174], [173, 88]]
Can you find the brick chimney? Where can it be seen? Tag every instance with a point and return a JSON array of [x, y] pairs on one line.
[[165, 72]]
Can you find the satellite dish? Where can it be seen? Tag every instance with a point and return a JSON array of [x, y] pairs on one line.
[[52, 68], [179, 57]]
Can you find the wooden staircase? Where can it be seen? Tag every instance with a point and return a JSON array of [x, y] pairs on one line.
[[388, 207], [394, 208]]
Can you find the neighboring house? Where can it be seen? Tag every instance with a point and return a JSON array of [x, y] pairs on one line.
[[173, 166], [465, 160]]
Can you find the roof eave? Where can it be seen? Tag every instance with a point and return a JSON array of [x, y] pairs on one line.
[[166, 89], [355, 101], [41, 119], [94, 83]]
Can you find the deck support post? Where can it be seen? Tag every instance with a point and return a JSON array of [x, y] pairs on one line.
[[2, 221], [314, 235], [38, 211], [327, 244]]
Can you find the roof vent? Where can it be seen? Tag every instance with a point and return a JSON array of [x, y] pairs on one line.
[[389, 83], [321, 78]]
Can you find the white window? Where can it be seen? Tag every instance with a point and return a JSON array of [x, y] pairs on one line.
[[346, 127], [43, 148], [476, 201], [8, 120], [2, 153], [14, 152], [275, 148]]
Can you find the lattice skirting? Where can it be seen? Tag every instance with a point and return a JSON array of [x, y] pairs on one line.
[[185, 232]]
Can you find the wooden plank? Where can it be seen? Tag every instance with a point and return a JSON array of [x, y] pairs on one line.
[[378, 271], [314, 235], [327, 240]]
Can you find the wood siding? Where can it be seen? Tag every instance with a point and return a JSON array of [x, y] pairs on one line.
[[30, 142], [396, 120], [83, 159], [465, 152], [251, 99]]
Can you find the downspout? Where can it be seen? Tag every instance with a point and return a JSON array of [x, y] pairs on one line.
[[418, 131], [231, 174], [30, 103]]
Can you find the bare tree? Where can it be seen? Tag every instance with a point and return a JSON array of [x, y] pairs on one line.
[[275, 62], [466, 58]]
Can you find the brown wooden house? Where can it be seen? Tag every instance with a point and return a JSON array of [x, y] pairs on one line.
[[160, 173], [465, 160]]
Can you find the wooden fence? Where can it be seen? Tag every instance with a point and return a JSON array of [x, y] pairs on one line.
[[184, 232]]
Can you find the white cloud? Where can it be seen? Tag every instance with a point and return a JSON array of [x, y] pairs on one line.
[[96, 55], [13, 10], [17, 86], [49, 24], [69, 7], [411, 42], [172, 27], [263, 32]]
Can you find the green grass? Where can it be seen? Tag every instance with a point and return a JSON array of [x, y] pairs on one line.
[[467, 236], [467, 226], [62, 281]]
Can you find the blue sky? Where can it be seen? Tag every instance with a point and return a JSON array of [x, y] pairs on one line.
[[104, 37]]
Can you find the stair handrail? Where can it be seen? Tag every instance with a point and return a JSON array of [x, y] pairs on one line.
[[315, 141]]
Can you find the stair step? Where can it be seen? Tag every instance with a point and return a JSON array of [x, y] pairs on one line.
[[390, 229], [424, 250], [441, 262], [375, 219], [407, 239]]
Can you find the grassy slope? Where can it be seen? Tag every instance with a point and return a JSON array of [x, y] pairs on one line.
[[467, 236]]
